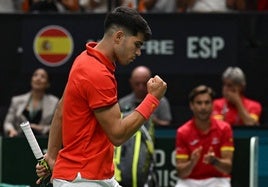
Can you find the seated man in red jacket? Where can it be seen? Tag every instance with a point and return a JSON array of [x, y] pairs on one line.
[[204, 145], [234, 107]]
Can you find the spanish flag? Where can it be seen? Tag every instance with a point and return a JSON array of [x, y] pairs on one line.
[[53, 45]]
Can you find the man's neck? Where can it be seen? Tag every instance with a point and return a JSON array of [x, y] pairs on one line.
[[104, 46], [203, 125]]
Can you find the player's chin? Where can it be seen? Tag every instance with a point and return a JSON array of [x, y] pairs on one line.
[[126, 62], [204, 117], [131, 60]]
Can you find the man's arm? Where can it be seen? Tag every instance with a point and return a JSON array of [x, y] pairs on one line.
[[54, 143], [120, 130], [223, 164], [244, 114], [55, 135], [185, 166], [235, 98]]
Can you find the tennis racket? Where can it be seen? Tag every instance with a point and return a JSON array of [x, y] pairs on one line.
[[26, 128]]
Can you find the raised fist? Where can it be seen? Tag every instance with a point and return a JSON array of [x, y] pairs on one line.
[[157, 87]]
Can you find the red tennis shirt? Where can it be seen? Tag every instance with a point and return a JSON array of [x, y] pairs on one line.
[[86, 148], [189, 138], [225, 111]]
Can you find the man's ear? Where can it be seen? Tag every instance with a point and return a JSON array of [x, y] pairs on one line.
[[118, 35]]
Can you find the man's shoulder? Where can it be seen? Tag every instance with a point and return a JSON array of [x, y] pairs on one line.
[[221, 124], [87, 69], [186, 127], [219, 101], [249, 101], [87, 62]]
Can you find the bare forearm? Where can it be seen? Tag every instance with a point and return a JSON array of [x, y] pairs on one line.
[[129, 126], [223, 165], [120, 130], [184, 169], [55, 135], [133, 122]]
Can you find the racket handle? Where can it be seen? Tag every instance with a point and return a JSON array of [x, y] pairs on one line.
[[44, 163]]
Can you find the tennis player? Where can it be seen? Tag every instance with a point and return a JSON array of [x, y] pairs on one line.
[[87, 123]]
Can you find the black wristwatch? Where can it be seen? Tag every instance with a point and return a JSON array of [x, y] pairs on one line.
[[214, 161]]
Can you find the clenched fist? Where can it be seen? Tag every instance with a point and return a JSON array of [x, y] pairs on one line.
[[157, 87]]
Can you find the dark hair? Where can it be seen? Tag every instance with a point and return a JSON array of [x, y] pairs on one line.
[[130, 19], [201, 90]]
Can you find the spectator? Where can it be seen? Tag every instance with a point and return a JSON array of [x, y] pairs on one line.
[[129, 3], [18, 5], [234, 107], [42, 6], [210, 6], [68, 5], [138, 81], [262, 5], [94, 6], [36, 106], [52, 5], [204, 145], [157, 6], [7, 6]]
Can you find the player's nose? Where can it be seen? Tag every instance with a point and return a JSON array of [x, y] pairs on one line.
[[138, 52]]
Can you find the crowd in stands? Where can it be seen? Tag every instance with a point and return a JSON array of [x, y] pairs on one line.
[[37, 106], [143, 6]]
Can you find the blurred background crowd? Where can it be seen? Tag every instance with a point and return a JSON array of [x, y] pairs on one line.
[[143, 6]]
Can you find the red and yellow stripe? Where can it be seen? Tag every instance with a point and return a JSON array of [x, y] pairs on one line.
[[53, 45]]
